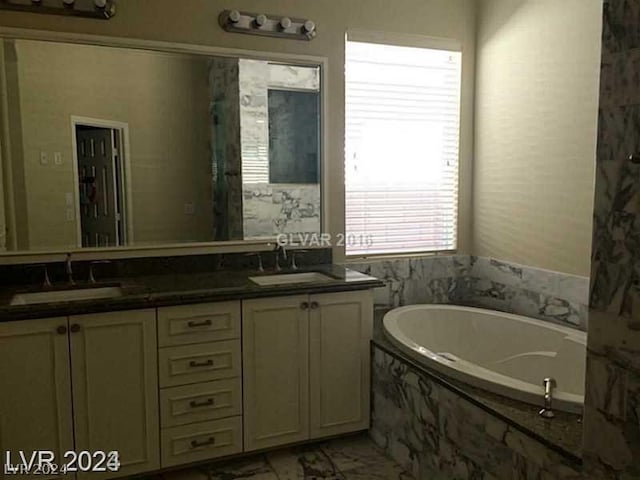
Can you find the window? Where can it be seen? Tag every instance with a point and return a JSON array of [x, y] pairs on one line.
[[401, 155]]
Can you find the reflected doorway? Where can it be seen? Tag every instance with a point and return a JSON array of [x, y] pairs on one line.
[[99, 148]]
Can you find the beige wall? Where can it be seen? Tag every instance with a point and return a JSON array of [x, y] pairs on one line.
[[163, 98], [536, 115], [195, 21]]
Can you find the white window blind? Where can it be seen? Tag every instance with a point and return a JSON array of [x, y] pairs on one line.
[[401, 155]]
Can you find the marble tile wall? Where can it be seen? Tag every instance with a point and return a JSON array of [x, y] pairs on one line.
[[612, 413], [436, 434], [528, 291], [225, 148], [432, 279], [270, 209], [294, 77], [482, 282]]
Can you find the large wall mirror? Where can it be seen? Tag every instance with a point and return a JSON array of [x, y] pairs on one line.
[[111, 147]]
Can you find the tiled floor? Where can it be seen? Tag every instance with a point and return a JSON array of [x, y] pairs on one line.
[[349, 458]]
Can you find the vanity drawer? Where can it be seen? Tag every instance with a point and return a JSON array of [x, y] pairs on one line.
[[207, 322], [200, 402], [201, 441], [199, 363]]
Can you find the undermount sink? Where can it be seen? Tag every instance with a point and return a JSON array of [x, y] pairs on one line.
[[290, 279], [54, 296]]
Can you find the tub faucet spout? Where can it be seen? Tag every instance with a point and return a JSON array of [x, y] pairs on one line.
[[547, 411]]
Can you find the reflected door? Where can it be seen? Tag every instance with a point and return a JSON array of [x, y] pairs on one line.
[[100, 218]]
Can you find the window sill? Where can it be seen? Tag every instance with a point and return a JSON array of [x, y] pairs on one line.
[[395, 256]]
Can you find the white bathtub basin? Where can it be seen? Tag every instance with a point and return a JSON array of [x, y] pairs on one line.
[[506, 354]]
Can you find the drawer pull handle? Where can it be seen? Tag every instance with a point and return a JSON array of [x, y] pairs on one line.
[[207, 363], [304, 305], [203, 443], [204, 323], [314, 305], [205, 403]]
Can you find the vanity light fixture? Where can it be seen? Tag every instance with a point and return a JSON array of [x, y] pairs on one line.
[[269, 25], [101, 9]]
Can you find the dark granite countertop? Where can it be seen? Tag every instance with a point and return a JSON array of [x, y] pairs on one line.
[[563, 434], [177, 289]]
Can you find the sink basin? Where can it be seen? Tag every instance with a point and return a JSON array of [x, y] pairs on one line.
[[290, 279], [66, 295]]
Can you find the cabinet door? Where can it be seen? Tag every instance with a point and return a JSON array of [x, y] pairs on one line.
[[340, 331], [275, 336], [115, 387], [35, 403]]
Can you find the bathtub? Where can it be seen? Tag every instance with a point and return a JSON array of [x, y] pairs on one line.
[[505, 354]]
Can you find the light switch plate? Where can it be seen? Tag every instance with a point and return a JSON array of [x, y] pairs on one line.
[[44, 158], [57, 158]]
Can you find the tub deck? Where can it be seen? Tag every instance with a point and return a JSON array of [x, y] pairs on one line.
[[562, 434]]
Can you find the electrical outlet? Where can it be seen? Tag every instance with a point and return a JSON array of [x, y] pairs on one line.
[[68, 198], [57, 158], [69, 215], [189, 209], [44, 158]]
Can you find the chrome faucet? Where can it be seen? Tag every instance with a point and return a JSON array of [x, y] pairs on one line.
[[69, 269], [294, 265], [547, 412], [92, 265], [278, 249]]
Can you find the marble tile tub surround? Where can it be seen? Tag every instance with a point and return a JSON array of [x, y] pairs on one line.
[[482, 282], [612, 412], [563, 434], [32, 274], [348, 458], [434, 433]]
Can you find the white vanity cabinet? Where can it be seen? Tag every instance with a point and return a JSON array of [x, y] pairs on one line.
[[305, 367], [114, 374], [275, 355], [200, 371], [177, 385], [35, 388], [340, 329], [109, 360]]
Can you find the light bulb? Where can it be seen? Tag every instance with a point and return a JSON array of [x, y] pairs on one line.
[[285, 22], [234, 16], [309, 26], [68, 2], [100, 3], [261, 20]]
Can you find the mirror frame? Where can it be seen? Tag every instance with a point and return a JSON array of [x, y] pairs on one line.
[[179, 249]]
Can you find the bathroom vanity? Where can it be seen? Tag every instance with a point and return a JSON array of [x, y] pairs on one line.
[[167, 379], [222, 156]]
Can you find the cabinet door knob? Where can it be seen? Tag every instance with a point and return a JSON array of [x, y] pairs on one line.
[[61, 330], [304, 305], [314, 305], [75, 328]]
